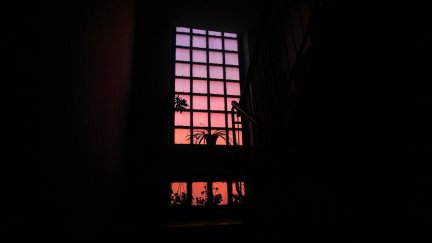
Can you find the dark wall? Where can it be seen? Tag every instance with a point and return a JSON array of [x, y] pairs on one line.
[[71, 64], [74, 86], [152, 161], [348, 126]]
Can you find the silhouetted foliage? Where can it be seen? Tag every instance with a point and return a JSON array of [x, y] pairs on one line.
[[202, 201], [180, 104], [210, 137], [179, 199]]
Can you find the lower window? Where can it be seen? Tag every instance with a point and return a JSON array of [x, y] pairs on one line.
[[201, 193]]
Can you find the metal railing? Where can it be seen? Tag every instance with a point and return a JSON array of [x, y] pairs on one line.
[[240, 110]]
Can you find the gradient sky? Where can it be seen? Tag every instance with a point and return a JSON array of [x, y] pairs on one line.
[[203, 80], [199, 187]]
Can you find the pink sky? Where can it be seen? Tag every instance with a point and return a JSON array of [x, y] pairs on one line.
[[199, 187]]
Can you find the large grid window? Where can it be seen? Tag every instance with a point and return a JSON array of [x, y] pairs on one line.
[[207, 76]]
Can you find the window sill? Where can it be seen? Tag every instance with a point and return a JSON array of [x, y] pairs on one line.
[[202, 223]]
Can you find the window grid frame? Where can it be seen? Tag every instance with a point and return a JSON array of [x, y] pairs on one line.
[[191, 78], [209, 184]]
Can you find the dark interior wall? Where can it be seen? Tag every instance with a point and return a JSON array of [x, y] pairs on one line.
[[65, 116], [71, 65], [417, 33], [151, 159], [351, 94], [148, 114], [348, 111]]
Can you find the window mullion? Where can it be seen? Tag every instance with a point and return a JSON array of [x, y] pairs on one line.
[[225, 88], [191, 83], [208, 81]]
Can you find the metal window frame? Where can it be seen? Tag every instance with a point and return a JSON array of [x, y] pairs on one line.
[[191, 94]]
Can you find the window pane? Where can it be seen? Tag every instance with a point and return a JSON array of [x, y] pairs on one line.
[[217, 119], [215, 33], [182, 69], [238, 187], [216, 72], [199, 102], [237, 119], [182, 40], [182, 54], [216, 87], [219, 140], [215, 57], [239, 138], [231, 59], [215, 43], [200, 86], [198, 137], [200, 119], [199, 71], [220, 193], [232, 73], [230, 45], [229, 102], [217, 103], [187, 98], [199, 41], [237, 125], [182, 119], [182, 85], [183, 29], [199, 56], [180, 136], [233, 88], [179, 193], [230, 35], [197, 31], [199, 193]]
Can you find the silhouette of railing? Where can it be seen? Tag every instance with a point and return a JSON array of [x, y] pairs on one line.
[[298, 49], [239, 108]]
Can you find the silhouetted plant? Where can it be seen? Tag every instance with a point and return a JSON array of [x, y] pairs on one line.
[[238, 198], [210, 137], [217, 198], [179, 199], [180, 104], [203, 200]]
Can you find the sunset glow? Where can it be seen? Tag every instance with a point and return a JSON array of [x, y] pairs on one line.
[[200, 86], [199, 190], [215, 43], [216, 87], [180, 135], [242, 188], [237, 187], [200, 102], [199, 41], [207, 75], [182, 119], [182, 85], [217, 119], [178, 193], [222, 189], [199, 194], [215, 57], [182, 40]]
